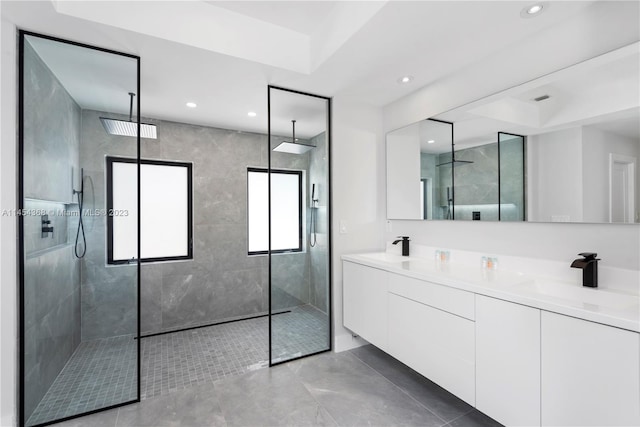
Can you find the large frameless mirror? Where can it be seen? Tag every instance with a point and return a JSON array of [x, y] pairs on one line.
[[560, 148], [79, 315], [298, 240]]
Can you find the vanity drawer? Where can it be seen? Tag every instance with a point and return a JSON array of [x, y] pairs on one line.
[[455, 301]]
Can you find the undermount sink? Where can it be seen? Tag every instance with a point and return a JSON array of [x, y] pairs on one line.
[[580, 295], [386, 257]]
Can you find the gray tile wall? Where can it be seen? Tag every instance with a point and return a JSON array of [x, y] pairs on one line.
[[512, 179], [318, 174], [477, 183], [52, 319], [428, 169], [109, 293], [222, 281], [51, 133], [290, 273], [51, 277]]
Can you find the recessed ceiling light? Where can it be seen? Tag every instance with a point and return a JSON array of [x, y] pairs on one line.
[[192, 104], [251, 114], [405, 79], [533, 10], [431, 141]]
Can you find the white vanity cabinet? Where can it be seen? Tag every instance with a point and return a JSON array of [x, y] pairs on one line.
[[431, 329], [521, 365], [590, 373], [508, 361], [365, 302]]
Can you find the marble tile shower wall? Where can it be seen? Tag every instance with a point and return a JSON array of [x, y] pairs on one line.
[[109, 293], [430, 170], [51, 276], [319, 261], [290, 273], [52, 319], [222, 281], [477, 183], [51, 133]]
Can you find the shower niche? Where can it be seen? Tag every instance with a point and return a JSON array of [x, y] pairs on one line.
[[78, 320], [299, 213]]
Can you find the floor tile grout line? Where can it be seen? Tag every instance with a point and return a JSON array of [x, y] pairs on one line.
[[400, 388], [320, 405], [460, 416]]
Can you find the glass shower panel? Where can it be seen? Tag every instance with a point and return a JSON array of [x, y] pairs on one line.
[[79, 318], [299, 206], [475, 175], [436, 189], [512, 178]]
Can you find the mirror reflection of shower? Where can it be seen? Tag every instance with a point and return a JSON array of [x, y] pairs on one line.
[[313, 238]]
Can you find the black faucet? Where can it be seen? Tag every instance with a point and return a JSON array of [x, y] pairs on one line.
[[405, 244], [589, 266]]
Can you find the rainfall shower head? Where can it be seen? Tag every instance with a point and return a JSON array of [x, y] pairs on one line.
[[129, 128], [293, 147]]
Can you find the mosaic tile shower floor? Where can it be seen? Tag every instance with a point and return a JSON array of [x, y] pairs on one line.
[[102, 373]]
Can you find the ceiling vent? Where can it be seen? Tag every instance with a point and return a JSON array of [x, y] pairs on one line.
[[541, 98]]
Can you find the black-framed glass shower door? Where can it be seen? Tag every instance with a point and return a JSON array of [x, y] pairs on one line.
[[511, 176], [299, 127], [79, 318]]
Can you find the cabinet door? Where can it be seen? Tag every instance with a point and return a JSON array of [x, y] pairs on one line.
[[365, 302], [590, 373], [437, 344], [508, 361]]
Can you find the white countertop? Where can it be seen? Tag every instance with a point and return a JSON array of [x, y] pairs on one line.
[[606, 306]]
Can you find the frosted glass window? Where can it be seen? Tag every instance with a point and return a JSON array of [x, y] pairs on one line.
[[165, 210], [286, 211]]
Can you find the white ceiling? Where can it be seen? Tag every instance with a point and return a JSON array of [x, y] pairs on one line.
[[602, 92], [222, 55], [96, 80], [303, 17]]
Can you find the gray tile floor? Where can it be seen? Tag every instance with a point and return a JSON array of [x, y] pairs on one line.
[[184, 359], [356, 388], [102, 372]]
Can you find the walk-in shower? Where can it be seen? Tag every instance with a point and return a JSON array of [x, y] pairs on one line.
[[79, 322], [299, 279], [151, 265]]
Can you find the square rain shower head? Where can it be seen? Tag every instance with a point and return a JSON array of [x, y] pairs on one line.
[[293, 147], [128, 128]]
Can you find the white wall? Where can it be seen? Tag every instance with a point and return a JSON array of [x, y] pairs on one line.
[[403, 174], [8, 289], [358, 183], [554, 176]]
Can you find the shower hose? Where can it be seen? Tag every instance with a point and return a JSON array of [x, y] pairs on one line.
[[80, 195]]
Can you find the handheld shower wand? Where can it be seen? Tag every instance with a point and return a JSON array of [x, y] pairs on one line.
[[80, 195], [313, 196]]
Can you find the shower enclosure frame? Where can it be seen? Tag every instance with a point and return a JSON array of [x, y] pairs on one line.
[[329, 220], [524, 181], [21, 247]]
